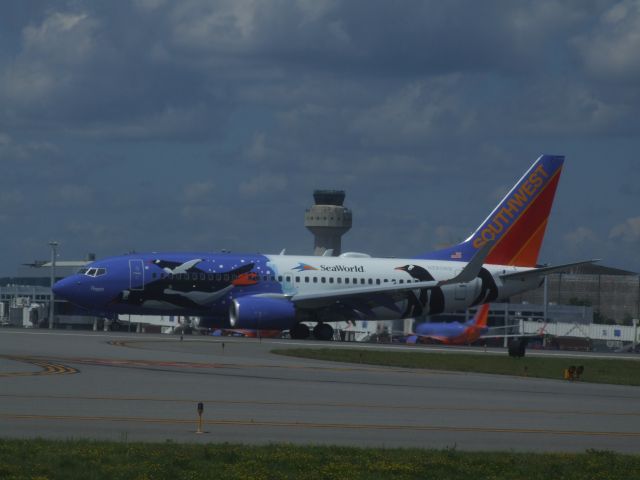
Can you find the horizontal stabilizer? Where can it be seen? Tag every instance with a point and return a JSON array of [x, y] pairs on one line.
[[537, 272], [471, 269]]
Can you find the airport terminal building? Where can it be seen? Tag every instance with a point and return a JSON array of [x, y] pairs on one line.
[[613, 294]]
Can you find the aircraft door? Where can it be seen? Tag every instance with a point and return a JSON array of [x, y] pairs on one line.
[[136, 275]]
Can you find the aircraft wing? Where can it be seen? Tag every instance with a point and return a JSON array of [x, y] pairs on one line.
[[537, 272], [329, 297], [396, 290]]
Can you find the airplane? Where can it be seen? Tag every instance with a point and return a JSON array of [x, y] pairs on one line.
[[453, 333], [284, 292]]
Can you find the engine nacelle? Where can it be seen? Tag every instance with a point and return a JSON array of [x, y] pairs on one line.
[[262, 313]]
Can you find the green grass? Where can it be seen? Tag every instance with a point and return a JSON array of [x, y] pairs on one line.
[[621, 372], [68, 460]]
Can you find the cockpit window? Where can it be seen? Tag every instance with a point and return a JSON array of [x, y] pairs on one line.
[[92, 272]]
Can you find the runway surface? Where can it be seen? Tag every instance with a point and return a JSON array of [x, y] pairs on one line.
[[146, 387]]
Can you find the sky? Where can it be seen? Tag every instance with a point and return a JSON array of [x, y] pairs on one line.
[[201, 125]]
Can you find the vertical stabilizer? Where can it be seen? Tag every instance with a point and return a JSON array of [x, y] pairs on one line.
[[516, 227], [479, 320]]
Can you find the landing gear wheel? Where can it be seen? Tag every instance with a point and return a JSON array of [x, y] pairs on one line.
[[322, 331], [299, 331]]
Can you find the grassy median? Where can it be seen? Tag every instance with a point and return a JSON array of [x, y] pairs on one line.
[[595, 370], [87, 460]]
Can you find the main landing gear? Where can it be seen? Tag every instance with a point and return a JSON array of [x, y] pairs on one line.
[[322, 331], [299, 331]]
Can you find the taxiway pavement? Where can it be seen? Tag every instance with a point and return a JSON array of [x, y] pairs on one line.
[[129, 387]]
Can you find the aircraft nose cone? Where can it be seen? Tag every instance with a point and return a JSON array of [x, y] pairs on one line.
[[60, 288], [65, 288]]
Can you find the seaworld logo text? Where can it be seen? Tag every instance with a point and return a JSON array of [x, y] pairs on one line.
[[341, 268], [303, 267]]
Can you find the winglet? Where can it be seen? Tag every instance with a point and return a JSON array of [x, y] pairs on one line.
[[471, 269]]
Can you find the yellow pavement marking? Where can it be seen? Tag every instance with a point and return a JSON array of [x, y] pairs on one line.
[[369, 406], [48, 368], [314, 425]]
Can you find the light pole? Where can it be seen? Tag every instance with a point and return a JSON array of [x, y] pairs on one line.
[[54, 247]]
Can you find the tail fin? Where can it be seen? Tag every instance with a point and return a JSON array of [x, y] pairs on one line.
[[481, 316], [517, 225]]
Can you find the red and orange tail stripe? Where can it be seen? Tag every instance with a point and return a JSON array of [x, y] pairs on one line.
[[520, 244]]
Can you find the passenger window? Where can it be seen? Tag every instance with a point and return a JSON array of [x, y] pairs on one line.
[[370, 282], [401, 281], [315, 279], [225, 277], [362, 281], [218, 277], [280, 278], [288, 278], [323, 279], [184, 276], [203, 276], [346, 280], [339, 279], [210, 276], [330, 279], [306, 279], [265, 278], [385, 280], [377, 281], [297, 279], [194, 276]]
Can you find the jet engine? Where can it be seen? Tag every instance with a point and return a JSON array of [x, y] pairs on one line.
[[262, 313]]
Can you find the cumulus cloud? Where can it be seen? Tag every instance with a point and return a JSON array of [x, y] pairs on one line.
[[51, 58], [423, 113], [199, 192], [263, 183], [580, 236], [629, 231], [610, 50], [417, 113], [70, 195]]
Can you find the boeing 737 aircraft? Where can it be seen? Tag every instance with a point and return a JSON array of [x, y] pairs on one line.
[[453, 333], [252, 291]]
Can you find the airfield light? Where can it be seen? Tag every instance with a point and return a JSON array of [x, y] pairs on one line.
[[200, 411]]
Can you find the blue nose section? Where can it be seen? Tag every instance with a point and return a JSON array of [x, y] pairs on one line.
[[68, 288]]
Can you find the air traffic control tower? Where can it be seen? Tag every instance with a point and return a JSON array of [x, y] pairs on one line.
[[328, 220]]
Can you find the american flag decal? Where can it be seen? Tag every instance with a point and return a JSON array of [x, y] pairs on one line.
[[456, 255]]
